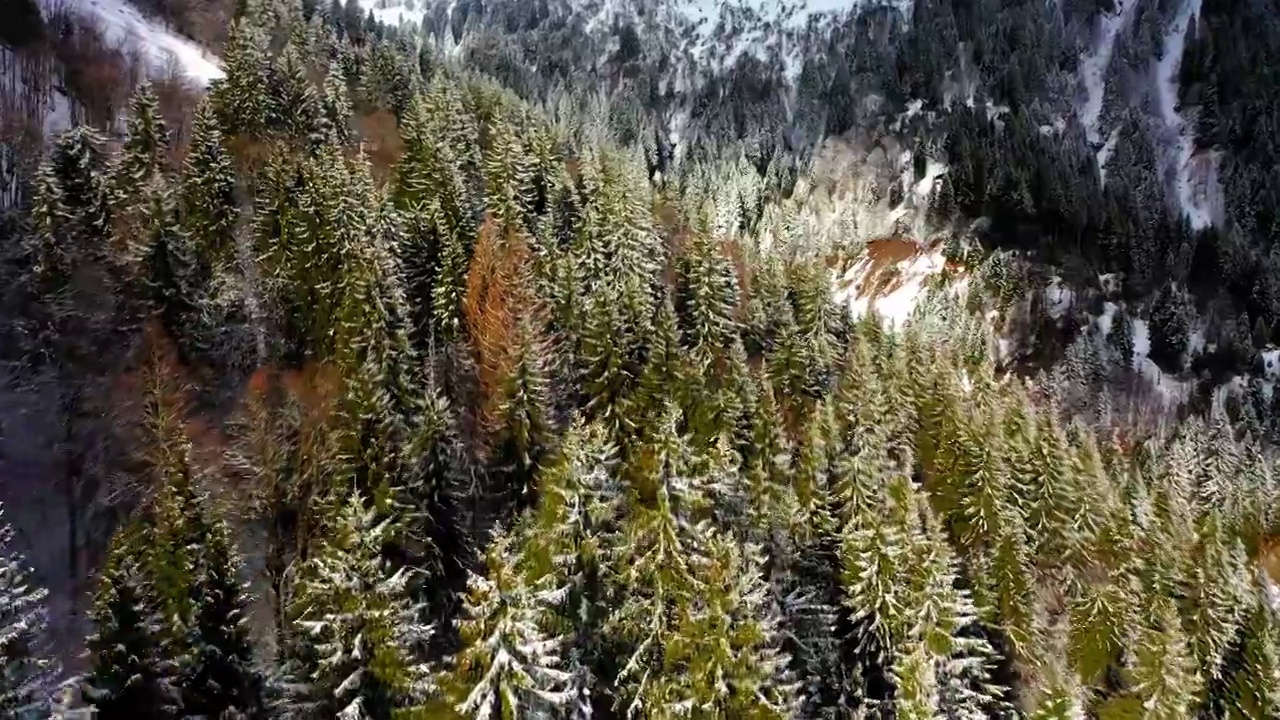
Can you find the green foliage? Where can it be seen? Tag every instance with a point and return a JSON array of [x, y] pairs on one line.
[[347, 651], [130, 676], [508, 668], [241, 98], [699, 489]]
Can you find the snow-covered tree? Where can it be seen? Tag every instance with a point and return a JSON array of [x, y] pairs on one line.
[[218, 672], [509, 667], [26, 674], [347, 652], [130, 677]]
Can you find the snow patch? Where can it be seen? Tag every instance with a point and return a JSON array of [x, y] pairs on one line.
[[1171, 391], [1094, 64], [929, 183], [1193, 179], [120, 22], [1104, 154], [1271, 364], [1105, 320], [1141, 335], [1234, 387], [396, 12], [892, 287], [1058, 298]]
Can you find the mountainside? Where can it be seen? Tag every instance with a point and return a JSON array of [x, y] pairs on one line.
[[1078, 131], [568, 359]]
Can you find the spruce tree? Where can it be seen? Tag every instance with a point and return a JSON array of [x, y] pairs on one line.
[[725, 656], [26, 676], [219, 674], [146, 144], [508, 667], [524, 436], [295, 108], [335, 108], [176, 283], [130, 675], [567, 542], [208, 201], [241, 98], [431, 529], [347, 652]]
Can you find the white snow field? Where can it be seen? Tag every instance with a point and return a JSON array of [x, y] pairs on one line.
[[121, 23], [1194, 179], [1094, 64]]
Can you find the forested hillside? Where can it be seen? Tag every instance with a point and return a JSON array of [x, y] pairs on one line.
[[422, 371]]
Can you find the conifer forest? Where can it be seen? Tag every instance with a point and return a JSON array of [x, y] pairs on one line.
[[574, 360]]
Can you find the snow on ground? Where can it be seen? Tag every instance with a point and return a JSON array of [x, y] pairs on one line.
[[1271, 364], [1196, 343], [1058, 298], [891, 283], [1171, 391], [1094, 64], [122, 23], [933, 172], [1105, 320], [1104, 154], [396, 12], [59, 119], [1176, 137]]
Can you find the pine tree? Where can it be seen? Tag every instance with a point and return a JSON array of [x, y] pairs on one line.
[[146, 144], [524, 437], [772, 503], [346, 655], [508, 178], [139, 178], [242, 97], [130, 675], [508, 666], [431, 536], [219, 673], [1162, 674], [26, 676], [295, 108], [724, 658], [208, 201], [565, 543], [176, 284], [1252, 685], [335, 108]]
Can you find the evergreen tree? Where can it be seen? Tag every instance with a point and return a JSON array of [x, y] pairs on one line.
[[295, 108], [432, 536], [724, 657], [335, 108], [565, 544], [26, 676], [219, 674], [508, 666], [145, 147], [176, 283], [346, 655], [130, 676], [242, 98], [525, 436], [208, 201]]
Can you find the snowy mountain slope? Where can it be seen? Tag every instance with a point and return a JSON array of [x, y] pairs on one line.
[[1093, 68], [1176, 137], [124, 27], [122, 23]]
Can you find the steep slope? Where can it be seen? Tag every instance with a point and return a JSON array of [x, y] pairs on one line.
[[121, 23]]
